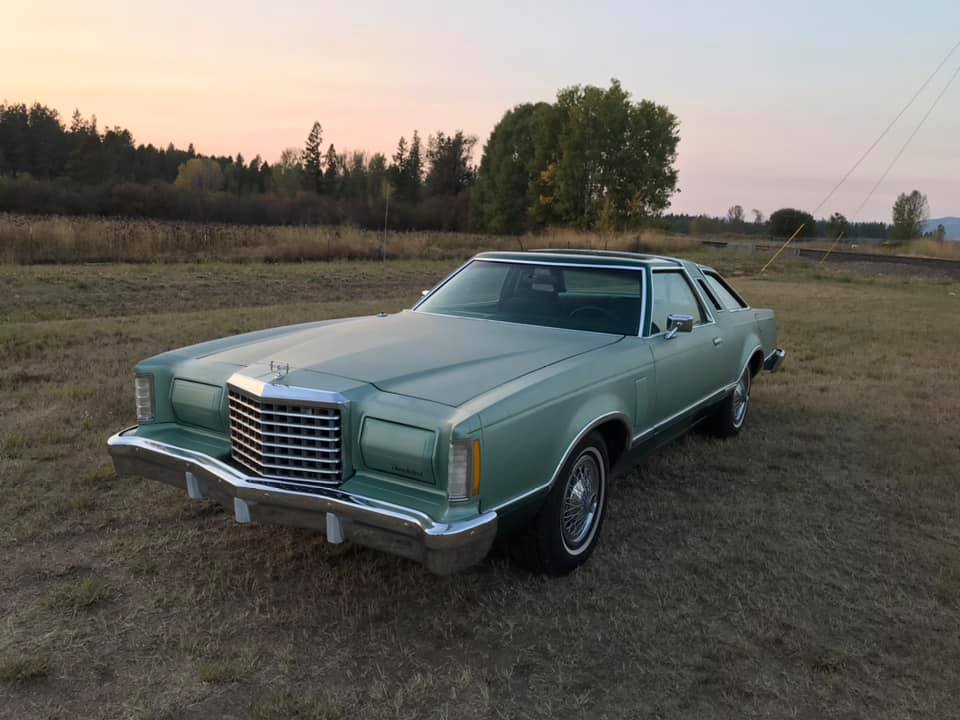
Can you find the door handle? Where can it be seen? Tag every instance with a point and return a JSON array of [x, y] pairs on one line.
[[718, 341]]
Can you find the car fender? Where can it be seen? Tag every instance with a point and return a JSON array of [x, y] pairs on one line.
[[594, 410]]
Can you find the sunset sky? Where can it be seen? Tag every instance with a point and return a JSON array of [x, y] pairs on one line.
[[775, 102]]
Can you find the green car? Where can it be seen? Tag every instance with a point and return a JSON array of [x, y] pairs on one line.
[[501, 404]]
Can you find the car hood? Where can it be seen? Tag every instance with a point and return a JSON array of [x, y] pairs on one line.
[[444, 359]]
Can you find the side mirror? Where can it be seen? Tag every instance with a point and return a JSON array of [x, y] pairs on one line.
[[678, 324]]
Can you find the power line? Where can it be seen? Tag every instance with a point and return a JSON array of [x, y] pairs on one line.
[[887, 129], [903, 147]]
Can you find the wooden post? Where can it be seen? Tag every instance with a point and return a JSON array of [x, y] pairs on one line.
[[827, 254], [782, 247]]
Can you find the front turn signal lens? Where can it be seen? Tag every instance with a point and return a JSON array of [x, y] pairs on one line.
[[143, 396], [463, 476], [476, 467]]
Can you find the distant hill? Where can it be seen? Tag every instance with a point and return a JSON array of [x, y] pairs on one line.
[[950, 224]]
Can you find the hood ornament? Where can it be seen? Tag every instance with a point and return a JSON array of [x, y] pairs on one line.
[[281, 369]]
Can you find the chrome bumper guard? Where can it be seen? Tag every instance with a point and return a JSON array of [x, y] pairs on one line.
[[774, 360], [442, 548]]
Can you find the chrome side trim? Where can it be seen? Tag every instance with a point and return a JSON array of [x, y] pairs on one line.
[[705, 400], [596, 422]]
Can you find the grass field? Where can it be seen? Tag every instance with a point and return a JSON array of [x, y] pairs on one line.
[[809, 568], [33, 239], [36, 239]]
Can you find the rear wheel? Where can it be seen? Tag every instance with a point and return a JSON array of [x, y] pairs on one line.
[[729, 417], [565, 531]]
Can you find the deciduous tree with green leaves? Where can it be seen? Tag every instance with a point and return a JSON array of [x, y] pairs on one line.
[[604, 156], [785, 222], [909, 213], [506, 198], [286, 176], [200, 175], [836, 225]]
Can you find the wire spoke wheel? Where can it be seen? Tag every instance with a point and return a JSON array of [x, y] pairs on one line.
[[741, 398], [581, 501]]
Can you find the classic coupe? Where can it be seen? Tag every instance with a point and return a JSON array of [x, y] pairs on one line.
[[500, 405]]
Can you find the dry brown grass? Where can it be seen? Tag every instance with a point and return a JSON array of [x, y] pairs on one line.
[[28, 239], [809, 568], [925, 247], [23, 670]]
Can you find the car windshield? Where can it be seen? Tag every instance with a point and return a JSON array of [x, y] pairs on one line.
[[606, 300]]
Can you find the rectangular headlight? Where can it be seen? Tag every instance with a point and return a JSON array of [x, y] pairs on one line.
[[463, 477], [143, 395]]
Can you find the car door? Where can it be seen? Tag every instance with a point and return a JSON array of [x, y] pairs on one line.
[[734, 321], [727, 334], [685, 371]]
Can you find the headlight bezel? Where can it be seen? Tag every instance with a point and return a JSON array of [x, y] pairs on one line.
[[144, 398]]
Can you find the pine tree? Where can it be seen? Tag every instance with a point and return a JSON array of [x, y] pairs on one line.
[[331, 177], [400, 156], [313, 160], [413, 172]]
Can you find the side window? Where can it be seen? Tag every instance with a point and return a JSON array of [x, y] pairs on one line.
[[708, 295], [673, 295], [725, 293]]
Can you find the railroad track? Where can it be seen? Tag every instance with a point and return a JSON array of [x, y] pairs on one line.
[[838, 256]]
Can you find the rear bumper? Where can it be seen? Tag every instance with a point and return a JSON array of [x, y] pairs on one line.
[[442, 547], [774, 360]]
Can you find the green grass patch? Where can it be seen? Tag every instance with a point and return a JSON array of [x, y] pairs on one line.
[[80, 595]]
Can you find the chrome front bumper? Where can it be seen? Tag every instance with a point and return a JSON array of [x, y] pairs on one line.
[[774, 360], [442, 547]]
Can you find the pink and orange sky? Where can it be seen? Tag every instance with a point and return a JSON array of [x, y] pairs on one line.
[[775, 103]]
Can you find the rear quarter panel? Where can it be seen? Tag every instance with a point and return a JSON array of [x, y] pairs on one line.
[[766, 325]]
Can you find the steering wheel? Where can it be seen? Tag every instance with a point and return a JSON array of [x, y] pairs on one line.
[[589, 308]]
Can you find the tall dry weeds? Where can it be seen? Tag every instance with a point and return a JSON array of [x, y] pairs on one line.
[[29, 240]]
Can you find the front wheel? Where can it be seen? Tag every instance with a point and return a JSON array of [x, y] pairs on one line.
[[565, 531], [730, 415]]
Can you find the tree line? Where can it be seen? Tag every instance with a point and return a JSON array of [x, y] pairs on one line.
[[781, 224], [910, 212], [592, 159], [78, 169]]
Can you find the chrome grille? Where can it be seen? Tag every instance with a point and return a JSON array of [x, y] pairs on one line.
[[286, 439]]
